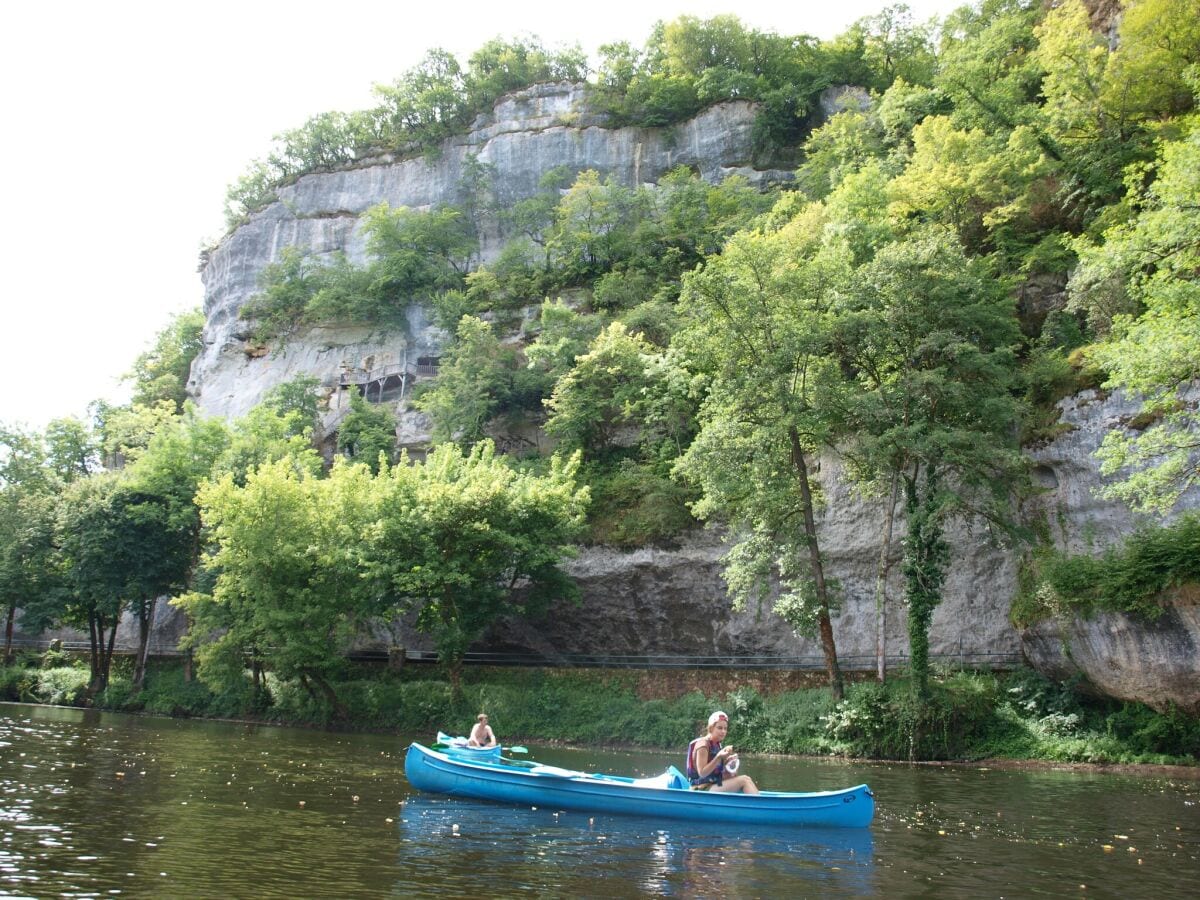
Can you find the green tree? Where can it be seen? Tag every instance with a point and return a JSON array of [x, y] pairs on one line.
[[564, 336], [840, 147], [756, 321], [126, 431], [267, 434], [464, 539], [72, 448], [96, 552], [30, 569], [300, 396], [159, 508], [161, 373], [928, 335], [474, 383], [367, 433], [1151, 266], [968, 180], [287, 597]]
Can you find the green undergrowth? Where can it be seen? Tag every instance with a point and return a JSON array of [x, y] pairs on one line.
[[966, 716], [1133, 577]]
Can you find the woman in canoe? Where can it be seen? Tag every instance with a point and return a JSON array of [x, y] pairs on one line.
[[481, 733], [710, 766]]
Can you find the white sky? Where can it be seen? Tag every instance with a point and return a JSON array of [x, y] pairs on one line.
[[125, 120]]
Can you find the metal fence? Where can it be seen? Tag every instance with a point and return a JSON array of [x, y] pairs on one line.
[[630, 661]]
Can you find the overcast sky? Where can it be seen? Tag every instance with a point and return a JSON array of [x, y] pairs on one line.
[[125, 121]]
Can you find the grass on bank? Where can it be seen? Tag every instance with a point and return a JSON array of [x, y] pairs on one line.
[[969, 715]]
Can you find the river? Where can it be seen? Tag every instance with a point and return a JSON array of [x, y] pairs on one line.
[[100, 804]]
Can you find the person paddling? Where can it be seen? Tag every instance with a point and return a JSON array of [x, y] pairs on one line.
[[710, 766], [481, 733]]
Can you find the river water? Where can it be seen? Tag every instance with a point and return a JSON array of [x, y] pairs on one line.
[[99, 804]]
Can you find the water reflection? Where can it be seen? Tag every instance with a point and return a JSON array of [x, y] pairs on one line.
[[538, 849]]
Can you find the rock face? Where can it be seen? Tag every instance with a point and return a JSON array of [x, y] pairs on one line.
[[1153, 662], [527, 134]]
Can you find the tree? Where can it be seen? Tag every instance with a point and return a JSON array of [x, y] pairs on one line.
[[927, 335], [161, 373], [756, 322], [72, 448], [30, 568], [1153, 349], [472, 384], [968, 180], [368, 433], [464, 539], [162, 516], [288, 592], [606, 390], [126, 431], [96, 551]]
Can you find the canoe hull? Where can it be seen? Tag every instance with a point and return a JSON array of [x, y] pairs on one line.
[[434, 772]]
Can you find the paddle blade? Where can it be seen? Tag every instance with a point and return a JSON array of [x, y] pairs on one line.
[[518, 749]]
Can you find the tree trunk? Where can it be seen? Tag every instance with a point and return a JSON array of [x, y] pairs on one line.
[[8, 635], [145, 620], [454, 673], [814, 554], [926, 556], [881, 584], [101, 654], [339, 709]]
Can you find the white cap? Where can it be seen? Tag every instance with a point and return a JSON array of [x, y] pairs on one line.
[[716, 717]]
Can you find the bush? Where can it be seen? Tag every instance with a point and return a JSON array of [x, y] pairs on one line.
[[633, 506], [62, 686], [890, 722], [1132, 578]]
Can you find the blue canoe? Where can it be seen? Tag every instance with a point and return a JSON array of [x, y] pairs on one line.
[[666, 795]]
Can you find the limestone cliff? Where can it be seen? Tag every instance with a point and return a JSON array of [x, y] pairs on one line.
[[667, 601], [527, 134]]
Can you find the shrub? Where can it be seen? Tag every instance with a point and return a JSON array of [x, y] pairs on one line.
[[61, 686], [890, 722]]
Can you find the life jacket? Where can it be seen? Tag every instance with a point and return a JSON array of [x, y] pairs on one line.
[[717, 775]]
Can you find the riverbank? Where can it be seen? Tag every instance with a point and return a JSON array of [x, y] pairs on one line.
[[984, 719]]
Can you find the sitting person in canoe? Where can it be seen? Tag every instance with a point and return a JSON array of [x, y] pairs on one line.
[[481, 733], [710, 766]]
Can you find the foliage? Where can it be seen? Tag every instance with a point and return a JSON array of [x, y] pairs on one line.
[[929, 338], [633, 505], [286, 548], [892, 722], [269, 434], [161, 373], [464, 539], [1132, 577], [367, 433], [300, 396], [608, 389], [477, 380], [757, 324], [1154, 347], [840, 147], [414, 255]]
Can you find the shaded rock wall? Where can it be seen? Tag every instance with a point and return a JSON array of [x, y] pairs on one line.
[[1156, 663]]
